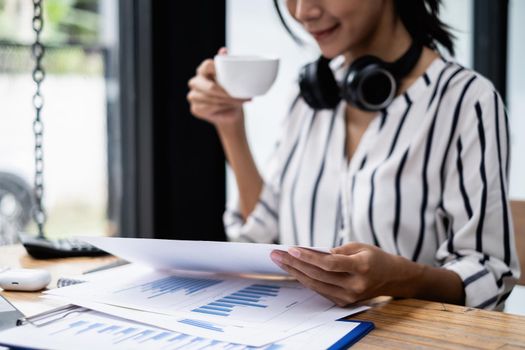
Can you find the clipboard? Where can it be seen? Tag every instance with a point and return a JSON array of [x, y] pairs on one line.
[[354, 335]]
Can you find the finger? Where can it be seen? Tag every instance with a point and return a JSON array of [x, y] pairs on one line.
[[334, 293], [209, 110], [327, 262], [196, 96], [294, 272], [349, 248], [207, 85], [210, 87], [312, 271], [207, 68]]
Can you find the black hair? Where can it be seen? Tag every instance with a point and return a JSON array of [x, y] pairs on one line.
[[285, 25], [420, 17]]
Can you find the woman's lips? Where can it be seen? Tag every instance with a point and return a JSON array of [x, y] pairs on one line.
[[322, 34]]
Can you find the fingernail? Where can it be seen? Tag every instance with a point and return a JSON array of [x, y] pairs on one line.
[[276, 257], [294, 252]]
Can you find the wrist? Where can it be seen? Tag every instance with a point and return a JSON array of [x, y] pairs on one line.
[[409, 276], [231, 130], [422, 281]]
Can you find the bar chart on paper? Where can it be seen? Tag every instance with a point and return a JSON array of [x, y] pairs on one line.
[[82, 328], [225, 299], [167, 294], [249, 301], [232, 309], [245, 301], [126, 336], [172, 285], [90, 330]]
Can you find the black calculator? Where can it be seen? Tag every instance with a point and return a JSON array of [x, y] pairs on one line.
[[41, 248]]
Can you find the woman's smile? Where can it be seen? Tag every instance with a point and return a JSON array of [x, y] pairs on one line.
[[324, 34]]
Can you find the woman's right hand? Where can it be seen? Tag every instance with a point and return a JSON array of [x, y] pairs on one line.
[[209, 101]]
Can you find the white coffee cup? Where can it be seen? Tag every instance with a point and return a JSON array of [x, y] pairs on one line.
[[246, 76]]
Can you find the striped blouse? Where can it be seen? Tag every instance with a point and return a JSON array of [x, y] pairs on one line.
[[428, 181]]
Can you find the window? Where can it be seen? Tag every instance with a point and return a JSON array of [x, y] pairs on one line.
[[80, 38], [516, 97], [458, 14]]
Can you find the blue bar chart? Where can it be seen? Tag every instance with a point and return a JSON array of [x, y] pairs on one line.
[[93, 330], [225, 299], [202, 324], [255, 296], [208, 305], [84, 329], [171, 285]]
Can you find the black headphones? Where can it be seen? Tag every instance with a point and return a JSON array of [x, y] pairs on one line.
[[369, 83]]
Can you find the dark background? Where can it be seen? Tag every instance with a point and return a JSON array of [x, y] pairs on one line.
[[176, 187]]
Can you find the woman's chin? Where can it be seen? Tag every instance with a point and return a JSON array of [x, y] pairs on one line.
[[330, 52]]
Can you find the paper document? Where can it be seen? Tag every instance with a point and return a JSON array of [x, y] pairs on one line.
[[80, 328], [242, 335], [240, 310], [225, 257]]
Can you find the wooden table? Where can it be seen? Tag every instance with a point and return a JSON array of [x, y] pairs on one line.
[[401, 324]]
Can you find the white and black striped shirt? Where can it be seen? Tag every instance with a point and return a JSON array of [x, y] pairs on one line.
[[428, 181]]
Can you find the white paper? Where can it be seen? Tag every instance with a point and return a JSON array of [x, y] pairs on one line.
[[249, 336], [242, 310], [206, 296], [87, 329], [224, 257]]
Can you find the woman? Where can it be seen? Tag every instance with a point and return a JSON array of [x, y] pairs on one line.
[[413, 197]]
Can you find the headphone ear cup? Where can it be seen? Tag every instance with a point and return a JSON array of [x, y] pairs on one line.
[[318, 86], [369, 84]]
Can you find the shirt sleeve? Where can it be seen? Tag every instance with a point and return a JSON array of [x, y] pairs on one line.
[[480, 245], [262, 225]]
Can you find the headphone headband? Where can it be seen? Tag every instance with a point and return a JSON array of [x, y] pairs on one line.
[[404, 64]]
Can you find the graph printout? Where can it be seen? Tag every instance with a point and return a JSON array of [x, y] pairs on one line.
[[86, 329], [208, 297], [241, 310]]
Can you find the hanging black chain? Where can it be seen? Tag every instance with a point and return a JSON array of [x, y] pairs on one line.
[[37, 51]]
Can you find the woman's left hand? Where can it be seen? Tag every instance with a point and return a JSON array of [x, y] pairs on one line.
[[351, 273]]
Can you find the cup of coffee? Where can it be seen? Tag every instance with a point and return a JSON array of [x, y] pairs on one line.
[[246, 76]]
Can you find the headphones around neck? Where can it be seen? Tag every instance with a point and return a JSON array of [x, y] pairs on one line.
[[369, 84]]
